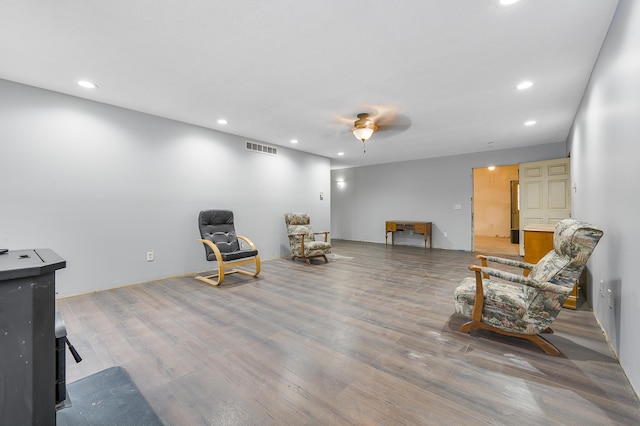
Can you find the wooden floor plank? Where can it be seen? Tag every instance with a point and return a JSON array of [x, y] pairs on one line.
[[369, 338]]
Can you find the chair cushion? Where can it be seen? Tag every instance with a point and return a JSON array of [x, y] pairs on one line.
[[240, 254], [297, 219], [511, 307], [550, 268], [210, 221], [573, 243], [316, 248], [296, 230], [504, 303]]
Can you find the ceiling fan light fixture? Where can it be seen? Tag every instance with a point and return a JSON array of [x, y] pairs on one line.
[[362, 133], [363, 127]]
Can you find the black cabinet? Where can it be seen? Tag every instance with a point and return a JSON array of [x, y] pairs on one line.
[[27, 336]]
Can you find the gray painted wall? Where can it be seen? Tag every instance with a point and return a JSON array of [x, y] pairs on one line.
[[418, 190], [605, 148], [102, 186]]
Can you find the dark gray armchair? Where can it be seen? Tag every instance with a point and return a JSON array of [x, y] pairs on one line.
[[224, 246]]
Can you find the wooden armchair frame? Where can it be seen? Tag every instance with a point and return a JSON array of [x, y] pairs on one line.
[[223, 265]]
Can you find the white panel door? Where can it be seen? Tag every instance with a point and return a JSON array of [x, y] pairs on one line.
[[545, 193]]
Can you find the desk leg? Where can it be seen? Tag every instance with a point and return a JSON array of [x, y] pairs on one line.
[[386, 235]]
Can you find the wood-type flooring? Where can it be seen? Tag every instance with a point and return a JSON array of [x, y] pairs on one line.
[[368, 339]]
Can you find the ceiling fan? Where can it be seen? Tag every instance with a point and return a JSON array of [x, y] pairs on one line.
[[381, 119]]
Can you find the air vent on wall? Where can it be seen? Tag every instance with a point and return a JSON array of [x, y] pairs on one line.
[[257, 147]]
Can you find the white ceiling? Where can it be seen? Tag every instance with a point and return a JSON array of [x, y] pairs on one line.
[[284, 69]]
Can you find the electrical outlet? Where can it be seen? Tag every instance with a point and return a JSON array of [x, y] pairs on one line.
[[149, 256], [601, 288], [610, 297], [445, 235], [457, 206]]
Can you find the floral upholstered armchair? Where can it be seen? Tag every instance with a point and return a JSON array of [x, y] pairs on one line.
[[302, 238], [521, 306]]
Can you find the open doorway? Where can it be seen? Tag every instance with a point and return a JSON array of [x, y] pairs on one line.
[[496, 210]]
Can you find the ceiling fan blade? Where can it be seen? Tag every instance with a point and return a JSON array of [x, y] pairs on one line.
[[399, 124], [383, 115], [343, 120]]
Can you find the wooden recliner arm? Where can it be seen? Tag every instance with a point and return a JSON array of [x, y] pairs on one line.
[[326, 234], [503, 261], [520, 279], [478, 303]]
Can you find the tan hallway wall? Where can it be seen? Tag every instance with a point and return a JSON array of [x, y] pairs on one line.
[[491, 200]]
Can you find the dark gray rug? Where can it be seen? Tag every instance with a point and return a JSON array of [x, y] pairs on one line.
[[108, 397]]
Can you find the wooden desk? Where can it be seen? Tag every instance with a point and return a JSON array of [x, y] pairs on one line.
[[538, 241], [394, 226]]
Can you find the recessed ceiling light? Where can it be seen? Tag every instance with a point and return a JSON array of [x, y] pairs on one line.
[[294, 141], [524, 85], [87, 84], [508, 2], [530, 123], [341, 154], [222, 121]]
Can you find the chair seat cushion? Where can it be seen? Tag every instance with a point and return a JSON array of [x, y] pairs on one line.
[[234, 255], [504, 304], [316, 248]]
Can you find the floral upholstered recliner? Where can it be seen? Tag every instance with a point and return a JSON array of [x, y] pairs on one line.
[[526, 306], [302, 238]]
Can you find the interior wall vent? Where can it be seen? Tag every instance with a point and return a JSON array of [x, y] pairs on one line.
[[258, 147]]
